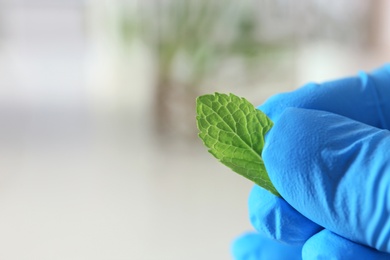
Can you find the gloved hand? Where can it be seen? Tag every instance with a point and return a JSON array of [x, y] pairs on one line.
[[253, 246], [328, 155]]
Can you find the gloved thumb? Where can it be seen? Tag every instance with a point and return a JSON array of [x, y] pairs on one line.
[[335, 171]]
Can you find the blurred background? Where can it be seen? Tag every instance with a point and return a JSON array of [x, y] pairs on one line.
[[99, 157]]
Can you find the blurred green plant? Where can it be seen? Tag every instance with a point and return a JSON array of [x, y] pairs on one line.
[[206, 33]]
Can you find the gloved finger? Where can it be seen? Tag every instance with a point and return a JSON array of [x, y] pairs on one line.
[[252, 246], [273, 217], [365, 98], [328, 245], [335, 171]]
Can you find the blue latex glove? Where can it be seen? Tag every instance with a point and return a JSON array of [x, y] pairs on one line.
[[329, 158], [252, 246]]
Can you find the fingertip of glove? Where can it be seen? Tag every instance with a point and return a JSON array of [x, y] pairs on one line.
[[252, 245], [247, 244], [301, 97], [282, 150], [273, 217], [273, 106], [296, 143]]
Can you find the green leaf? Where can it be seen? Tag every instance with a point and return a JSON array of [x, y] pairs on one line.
[[233, 130]]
